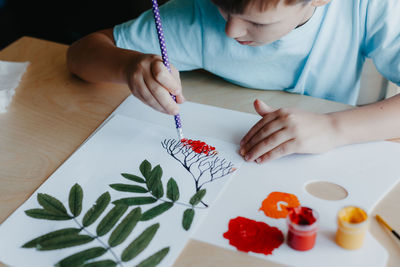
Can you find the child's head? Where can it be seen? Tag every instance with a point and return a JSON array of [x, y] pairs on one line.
[[259, 22]]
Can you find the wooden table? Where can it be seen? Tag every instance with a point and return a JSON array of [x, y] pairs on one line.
[[53, 112]]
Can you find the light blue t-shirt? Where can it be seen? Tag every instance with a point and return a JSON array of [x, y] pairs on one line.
[[322, 58]]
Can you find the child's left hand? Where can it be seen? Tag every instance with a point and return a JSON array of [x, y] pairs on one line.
[[286, 131]]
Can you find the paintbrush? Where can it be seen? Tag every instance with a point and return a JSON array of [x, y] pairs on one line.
[[382, 221], [164, 55]]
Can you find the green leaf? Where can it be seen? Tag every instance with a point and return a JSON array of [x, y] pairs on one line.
[[64, 241], [187, 219], [154, 259], [134, 201], [34, 242], [172, 190], [157, 210], [140, 243], [97, 209], [103, 263], [124, 229], [129, 188], [79, 258], [154, 178], [47, 215], [133, 178], [158, 190], [51, 204], [112, 217], [75, 200], [145, 169], [196, 198]]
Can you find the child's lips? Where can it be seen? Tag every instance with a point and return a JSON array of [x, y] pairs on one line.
[[244, 42]]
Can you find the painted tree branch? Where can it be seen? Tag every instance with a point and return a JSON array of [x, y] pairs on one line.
[[199, 159]]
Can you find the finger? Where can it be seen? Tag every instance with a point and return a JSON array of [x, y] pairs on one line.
[[165, 78], [266, 119], [262, 108], [175, 73], [267, 145], [263, 133], [180, 99], [162, 96], [284, 149], [143, 93]]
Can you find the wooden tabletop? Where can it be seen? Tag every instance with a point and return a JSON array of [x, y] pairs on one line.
[[53, 112]]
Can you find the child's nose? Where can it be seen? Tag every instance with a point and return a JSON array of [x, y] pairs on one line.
[[235, 28]]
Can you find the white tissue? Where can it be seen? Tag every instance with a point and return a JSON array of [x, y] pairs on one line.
[[10, 76]]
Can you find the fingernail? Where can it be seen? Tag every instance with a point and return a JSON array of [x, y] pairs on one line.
[[241, 152], [258, 160], [246, 157]]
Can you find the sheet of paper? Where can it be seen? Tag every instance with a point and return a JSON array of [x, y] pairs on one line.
[[120, 146]]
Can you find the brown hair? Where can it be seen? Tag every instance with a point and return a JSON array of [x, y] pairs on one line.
[[239, 6]]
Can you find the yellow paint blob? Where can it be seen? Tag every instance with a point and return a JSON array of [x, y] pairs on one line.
[[352, 226]]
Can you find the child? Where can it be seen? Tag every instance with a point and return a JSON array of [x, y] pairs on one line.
[[311, 47]]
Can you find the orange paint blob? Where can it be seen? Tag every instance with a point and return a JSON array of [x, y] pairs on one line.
[[273, 209]]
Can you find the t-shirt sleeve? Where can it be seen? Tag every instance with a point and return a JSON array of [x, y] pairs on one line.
[[182, 30], [382, 37]]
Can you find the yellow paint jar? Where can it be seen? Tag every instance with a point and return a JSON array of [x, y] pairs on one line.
[[352, 226]]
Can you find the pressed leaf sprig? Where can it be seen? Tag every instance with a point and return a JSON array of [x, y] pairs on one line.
[[53, 209], [154, 186]]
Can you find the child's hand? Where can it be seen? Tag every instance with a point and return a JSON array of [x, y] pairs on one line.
[[285, 131], [151, 82]]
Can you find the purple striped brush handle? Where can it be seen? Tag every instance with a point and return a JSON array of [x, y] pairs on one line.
[[164, 56]]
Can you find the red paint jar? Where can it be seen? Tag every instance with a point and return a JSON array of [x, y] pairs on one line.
[[302, 228]]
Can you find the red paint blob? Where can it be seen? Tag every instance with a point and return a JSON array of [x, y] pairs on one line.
[[302, 225], [198, 146], [249, 235]]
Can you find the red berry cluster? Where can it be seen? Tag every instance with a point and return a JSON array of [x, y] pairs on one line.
[[198, 146]]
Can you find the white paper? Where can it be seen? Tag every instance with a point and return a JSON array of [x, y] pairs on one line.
[[10, 76], [118, 147]]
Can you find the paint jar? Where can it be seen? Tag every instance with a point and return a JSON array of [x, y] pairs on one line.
[[302, 228], [352, 226]]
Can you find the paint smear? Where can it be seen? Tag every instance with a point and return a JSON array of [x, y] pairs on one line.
[[251, 236], [273, 209]]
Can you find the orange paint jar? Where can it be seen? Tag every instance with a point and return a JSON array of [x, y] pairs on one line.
[[302, 228], [352, 226]]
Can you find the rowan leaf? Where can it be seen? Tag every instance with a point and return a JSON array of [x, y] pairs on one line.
[[103, 263], [47, 215], [187, 219], [134, 201], [133, 178], [64, 241], [145, 169], [75, 200], [154, 259], [52, 204], [79, 258], [124, 229], [155, 211], [35, 242], [172, 190], [97, 209], [196, 198], [140, 243], [112, 217], [129, 188], [154, 177]]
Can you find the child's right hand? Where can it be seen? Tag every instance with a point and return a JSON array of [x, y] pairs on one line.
[[151, 82]]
